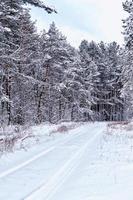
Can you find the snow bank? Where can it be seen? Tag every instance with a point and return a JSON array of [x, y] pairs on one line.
[[16, 137]]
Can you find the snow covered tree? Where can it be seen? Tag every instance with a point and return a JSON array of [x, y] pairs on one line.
[[43, 78], [18, 49], [54, 64], [93, 54], [106, 89], [111, 104], [65, 95], [127, 65], [115, 81], [90, 75], [26, 72], [73, 87], [40, 4], [110, 75], [10, 12]]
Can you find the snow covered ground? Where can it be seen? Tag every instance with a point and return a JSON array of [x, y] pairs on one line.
[[92, 162]]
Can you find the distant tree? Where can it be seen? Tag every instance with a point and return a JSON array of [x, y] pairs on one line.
[[90, 78], [55, 62], [106, 85], [115, 101]]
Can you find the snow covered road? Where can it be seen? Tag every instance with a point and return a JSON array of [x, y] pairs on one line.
[[46, 170], [48, 190], [87, 164]]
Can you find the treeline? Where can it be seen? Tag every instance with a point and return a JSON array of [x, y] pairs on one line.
[[43, 78]]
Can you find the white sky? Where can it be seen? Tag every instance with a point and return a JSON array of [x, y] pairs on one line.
[[85, 19]]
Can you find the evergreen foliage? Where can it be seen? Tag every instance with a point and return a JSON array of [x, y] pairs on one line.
[[43, 78]]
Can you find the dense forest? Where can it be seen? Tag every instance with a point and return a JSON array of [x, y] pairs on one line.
[[44, 79]]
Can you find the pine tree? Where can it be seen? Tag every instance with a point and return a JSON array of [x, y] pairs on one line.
[[73, 89], [27, 71], [40, 4], [93, 52], [10, 12], [90, 76], [18, 54], [127, 65], [111, 105], [55, 56], [106, 102], [115, 81]]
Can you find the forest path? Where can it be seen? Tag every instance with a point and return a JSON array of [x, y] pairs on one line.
[[42, 175]]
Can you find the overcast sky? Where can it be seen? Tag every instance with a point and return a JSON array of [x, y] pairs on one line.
[[84, 19]]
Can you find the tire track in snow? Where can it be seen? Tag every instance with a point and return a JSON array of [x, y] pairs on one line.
[[48, 190], [22, 165], [36, 157]]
